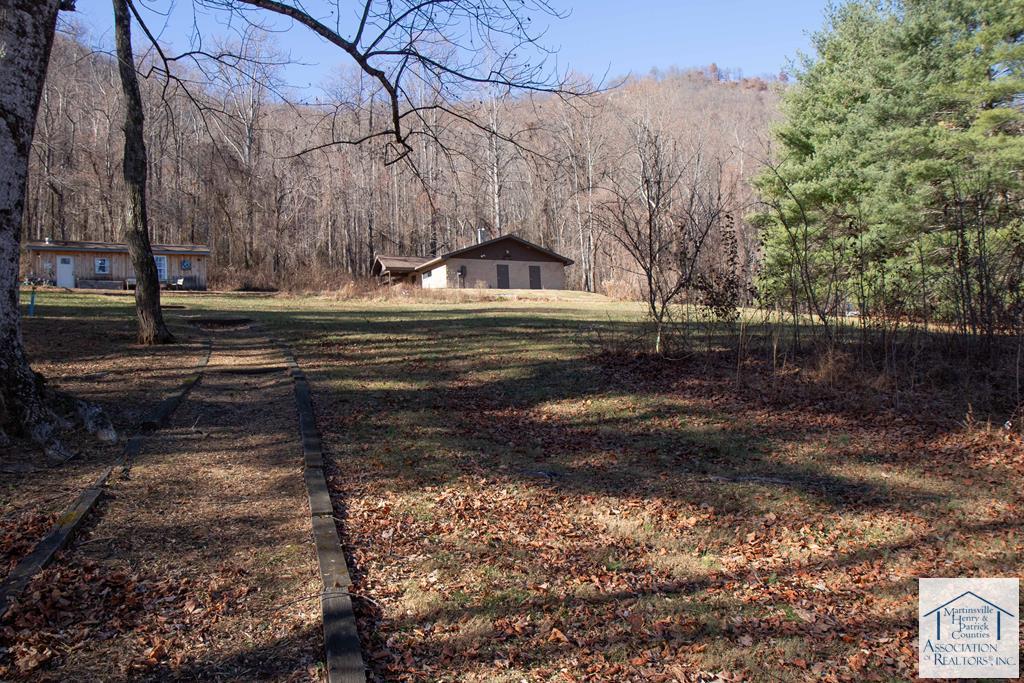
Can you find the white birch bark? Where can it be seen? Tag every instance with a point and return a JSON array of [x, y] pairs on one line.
[[26, 37]]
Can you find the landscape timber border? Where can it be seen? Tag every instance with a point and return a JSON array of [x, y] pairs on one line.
[[71, 520], [342, 652], [161, 415]]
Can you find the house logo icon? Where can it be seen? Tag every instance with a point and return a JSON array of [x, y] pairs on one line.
[[969, 628], [957, 615]]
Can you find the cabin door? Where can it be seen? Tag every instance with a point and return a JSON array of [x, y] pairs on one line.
[[502, 277], [66, 271], [535, 277]]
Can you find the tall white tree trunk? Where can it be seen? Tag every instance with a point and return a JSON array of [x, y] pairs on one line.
[[26, 36]]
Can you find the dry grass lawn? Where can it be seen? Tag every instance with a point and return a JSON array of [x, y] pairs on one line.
[[517, 506], [84, 345]]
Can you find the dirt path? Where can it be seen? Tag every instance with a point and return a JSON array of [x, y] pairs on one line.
[[199, 564], [127, 380]]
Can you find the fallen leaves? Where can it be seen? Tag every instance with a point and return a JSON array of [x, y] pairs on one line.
[[557, 636], [511, 524], [19, 534], [67, 606]]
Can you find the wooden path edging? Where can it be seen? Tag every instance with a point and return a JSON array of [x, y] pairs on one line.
[[58, 537], [342, 652], [71, 520], [162, 413]]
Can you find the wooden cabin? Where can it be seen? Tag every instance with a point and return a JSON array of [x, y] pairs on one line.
[[107, 265]]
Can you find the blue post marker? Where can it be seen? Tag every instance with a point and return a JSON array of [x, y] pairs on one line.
[[32, 304]]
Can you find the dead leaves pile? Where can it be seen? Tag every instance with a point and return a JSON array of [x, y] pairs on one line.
[[19, 534], [150, 617]]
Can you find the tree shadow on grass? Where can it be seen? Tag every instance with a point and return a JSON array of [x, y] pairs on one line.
[[478, 404], [429, 398], [290, 657], [496, 423]]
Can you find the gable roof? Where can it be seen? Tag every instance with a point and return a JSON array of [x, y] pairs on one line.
[[117, 247], [529, 245], [396, 264]]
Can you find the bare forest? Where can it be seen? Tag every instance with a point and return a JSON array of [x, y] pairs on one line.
[[240, 161]]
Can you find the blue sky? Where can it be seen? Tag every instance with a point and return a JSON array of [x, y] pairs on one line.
[[599, 36]]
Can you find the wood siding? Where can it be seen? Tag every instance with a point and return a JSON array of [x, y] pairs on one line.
[[44, 264], [507, 250]]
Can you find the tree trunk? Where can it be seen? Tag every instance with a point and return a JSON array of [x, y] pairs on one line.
[[152, 329], [26, 30]]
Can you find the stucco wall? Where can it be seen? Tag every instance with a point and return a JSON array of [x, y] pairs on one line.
[[434, 279], [483, 273]]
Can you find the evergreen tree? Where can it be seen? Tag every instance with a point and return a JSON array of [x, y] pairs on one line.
[[898, 183]]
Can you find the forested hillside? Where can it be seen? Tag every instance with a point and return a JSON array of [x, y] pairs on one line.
[[236, 163]]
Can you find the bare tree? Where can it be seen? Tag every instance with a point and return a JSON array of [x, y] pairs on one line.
[[453, 47], [581, 139], [238, 122], [152, 329], [662, 213]]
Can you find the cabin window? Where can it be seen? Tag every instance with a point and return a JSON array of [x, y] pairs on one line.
[[101, 266], [161, 268], [426, 274]]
